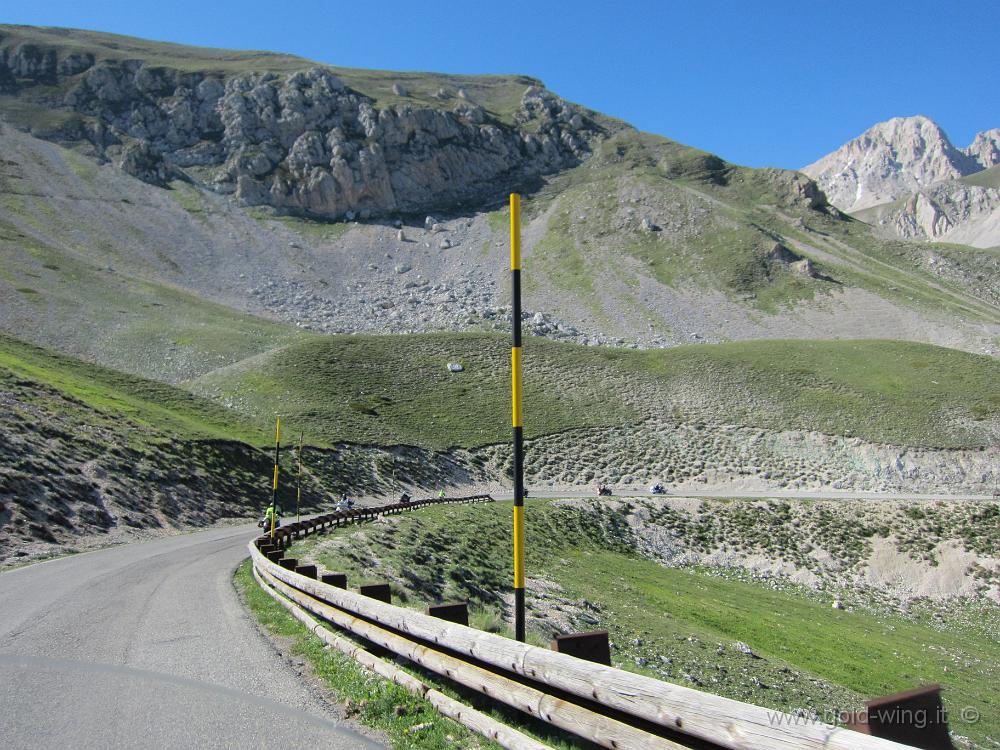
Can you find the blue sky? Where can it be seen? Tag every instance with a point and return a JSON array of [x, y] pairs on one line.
[[759, 83]]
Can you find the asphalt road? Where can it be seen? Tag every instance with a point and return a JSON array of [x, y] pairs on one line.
[[146, 645]]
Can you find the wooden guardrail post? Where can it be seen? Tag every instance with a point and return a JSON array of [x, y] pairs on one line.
[[288, 563]]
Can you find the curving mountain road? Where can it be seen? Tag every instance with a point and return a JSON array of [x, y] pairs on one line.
[[147, 645]]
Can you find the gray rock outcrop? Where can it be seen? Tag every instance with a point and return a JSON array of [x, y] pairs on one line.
[[302, 142], [948, 212], [985, 148]]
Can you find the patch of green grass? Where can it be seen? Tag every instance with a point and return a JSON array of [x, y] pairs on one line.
[[564, 264], [84, 168], [498, 221], [988, 178], [187, 197], [310, 229], [871, 656], [40, 119], [156, 405], [396, 389]]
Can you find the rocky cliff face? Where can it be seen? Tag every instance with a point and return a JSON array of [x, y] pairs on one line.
[[300, 141], [985, 148], [895, 158], [950, 211]]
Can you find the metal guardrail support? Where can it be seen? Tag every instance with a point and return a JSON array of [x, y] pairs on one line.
[[335, 579], [309, 571], [452, 612], [593, 646], [914, 717], [378, 591]]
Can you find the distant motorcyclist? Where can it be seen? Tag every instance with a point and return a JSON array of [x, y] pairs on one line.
[[440, 494], [658, 489], [344, 505], [271, 516]]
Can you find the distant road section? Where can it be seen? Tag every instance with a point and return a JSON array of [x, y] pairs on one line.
[[146, 645]]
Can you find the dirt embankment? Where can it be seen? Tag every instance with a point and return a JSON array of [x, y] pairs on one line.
[[72, 477], [891, 551], [685, 455]]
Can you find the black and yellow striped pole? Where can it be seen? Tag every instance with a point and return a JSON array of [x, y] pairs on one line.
[[274, 484], [516, 413]]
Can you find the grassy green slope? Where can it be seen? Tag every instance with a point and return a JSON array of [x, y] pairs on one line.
[[812, 656], [142, 402], [85, 451], [988, 178], [397, 388]]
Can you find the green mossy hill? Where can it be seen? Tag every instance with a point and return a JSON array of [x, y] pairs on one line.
[[988, 178], [148, 404], [397, 389]]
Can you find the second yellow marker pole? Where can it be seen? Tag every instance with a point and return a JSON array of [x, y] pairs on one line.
[[298, 480], [516, 413], [274, 484]]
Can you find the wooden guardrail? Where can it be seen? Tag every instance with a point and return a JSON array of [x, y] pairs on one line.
[[608, 706]]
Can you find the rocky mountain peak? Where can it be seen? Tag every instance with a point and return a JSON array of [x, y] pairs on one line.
[[889, 160], [985, 148]]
